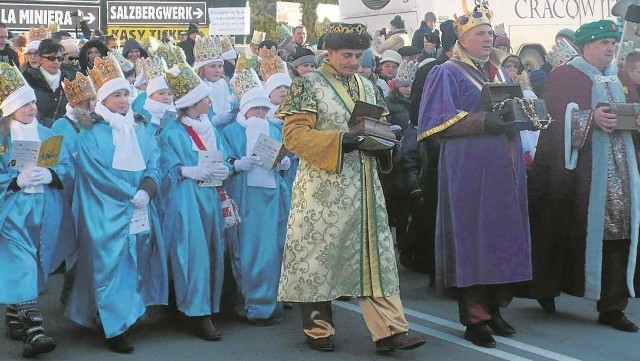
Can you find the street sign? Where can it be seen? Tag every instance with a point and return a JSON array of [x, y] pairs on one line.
[[155, 12], [25, 16]]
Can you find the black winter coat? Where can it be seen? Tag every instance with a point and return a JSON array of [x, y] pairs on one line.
[[51, 105]]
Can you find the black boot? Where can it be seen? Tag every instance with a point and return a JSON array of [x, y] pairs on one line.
[[500, 326], [617, 320], [35, 341], [479, 335], [14, 328], [120, 344], [547, 304]]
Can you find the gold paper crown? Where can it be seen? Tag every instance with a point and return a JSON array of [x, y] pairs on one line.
[[245, 62], [499, 30], [153, 67], [480, 16], [407, 71], [104, 69], [267, 53], [182, 79], [79, 89], [282, 33], [40, 33], [243, 81], [322, 27], [150, 45], [10, 80], [345, 28], [226, 44], [273, 65], [171, 54], [258, 37], [54, 27], [207, 48], [561, 53], [125, 64]]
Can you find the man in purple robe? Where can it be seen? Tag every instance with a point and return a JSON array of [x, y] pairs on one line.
[[585, 203], [482, 230]]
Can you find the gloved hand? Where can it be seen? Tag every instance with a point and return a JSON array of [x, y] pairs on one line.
[[140, 199], [24, 178], [197, 173], [40, 176], [350, 142], [284, 164], [220, 171], [246, 163], [493, 123]]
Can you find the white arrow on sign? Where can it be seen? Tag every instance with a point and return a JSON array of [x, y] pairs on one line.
[[198, 13], [90, 18]]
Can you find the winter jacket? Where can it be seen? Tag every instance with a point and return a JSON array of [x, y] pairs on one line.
[[418, 36], [51, 105], [84, 61], [187, 47], [398, 109], [394, 41], [8, 55]]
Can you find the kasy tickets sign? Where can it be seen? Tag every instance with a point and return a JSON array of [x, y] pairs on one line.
[[229, 21], [125, 33]]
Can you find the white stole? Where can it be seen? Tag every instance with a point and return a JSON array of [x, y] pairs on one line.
[[257, 176]]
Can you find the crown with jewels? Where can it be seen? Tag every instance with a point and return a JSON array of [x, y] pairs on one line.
[[104, 69], [226, 43], [125, 64], [407, 71], [79, 89], [561, 53], [244, 80], [267, 53], [171, 54], [150, 45], [245, 62], [11, 79], [481, 15], [152, 67], [39, 33], [273, 65], [184, 81], [207, 48], [345, 28], [258, 37], [282, 33]]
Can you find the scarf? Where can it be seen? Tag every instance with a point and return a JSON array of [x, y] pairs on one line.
[[271, 116], [21, 131], [257, 176], [157, 110], [127, 154], [203, 127], [53, 80], [219, 94]]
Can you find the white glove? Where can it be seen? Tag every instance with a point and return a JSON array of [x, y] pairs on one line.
[[24, 178], [284, 164], [40, 176], [198, 173], [141, 199], [246, 163], [220, 171]]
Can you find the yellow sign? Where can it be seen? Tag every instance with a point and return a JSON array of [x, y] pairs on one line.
[[125, 33]]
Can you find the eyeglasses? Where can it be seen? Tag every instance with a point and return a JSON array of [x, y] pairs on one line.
[[73, 58], [53, 57]]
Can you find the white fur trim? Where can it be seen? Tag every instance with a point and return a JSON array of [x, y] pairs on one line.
[[254, 97], [156, 84], [111, 86], [276, 80], [17, 99]]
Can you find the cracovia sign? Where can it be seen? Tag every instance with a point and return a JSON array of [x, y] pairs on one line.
[[563, 9]]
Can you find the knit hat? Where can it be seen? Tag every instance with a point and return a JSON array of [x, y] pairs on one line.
[[449, 36], [502, 40], [430, 16], [397, 22], [368, 60], [303, 56], [14, 90], [391, 55], [597, 30]]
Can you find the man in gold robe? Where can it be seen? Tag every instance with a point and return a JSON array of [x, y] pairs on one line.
[[338, 239]]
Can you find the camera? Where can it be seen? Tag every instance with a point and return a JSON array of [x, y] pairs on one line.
[[383, 32], [76, 13]]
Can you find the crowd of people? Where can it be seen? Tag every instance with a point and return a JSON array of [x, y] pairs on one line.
[[181, 163]]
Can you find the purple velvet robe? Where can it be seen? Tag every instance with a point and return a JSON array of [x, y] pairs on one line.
[[482, 230]]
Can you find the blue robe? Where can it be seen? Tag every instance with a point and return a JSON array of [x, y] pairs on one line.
[[118, 273], [192, 226], [32, 241], [256, 244], [138, 105], [482, 228]]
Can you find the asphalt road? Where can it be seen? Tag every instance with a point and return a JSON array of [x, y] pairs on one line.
[[571, 334]]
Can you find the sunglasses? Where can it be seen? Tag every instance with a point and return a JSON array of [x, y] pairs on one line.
[[53, 58], [73, 58]]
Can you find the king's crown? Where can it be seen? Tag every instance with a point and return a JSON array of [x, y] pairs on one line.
[[104, 69], [182, 79]]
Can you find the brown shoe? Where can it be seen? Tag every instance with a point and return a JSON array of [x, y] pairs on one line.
[[205, 329], [323, 344], [400, 341]]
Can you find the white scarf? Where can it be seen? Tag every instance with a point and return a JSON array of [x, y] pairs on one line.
[[71, 113], [219, 94], [53, 80], [127, 154], [157, 110], [21, 131], [203, 127], [271, 115], [257, 176]]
